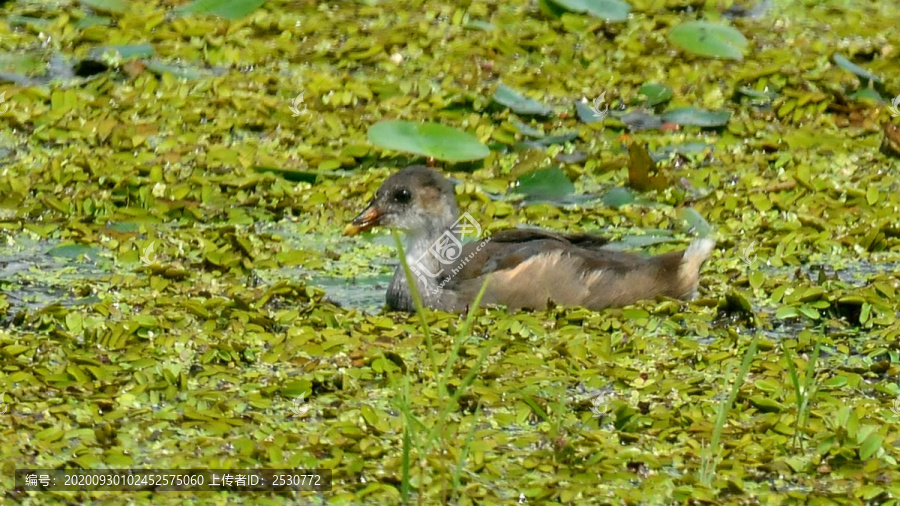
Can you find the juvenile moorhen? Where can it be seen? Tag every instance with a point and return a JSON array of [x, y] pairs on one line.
[[529, 268]]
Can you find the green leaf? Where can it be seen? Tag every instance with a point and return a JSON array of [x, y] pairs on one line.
[[228, 9], [73, 251], [27, 20], [427, 139], [21, 63], [848, 65], [111, 6], [786, 312], [765, 404], [519, 103], [545, 184], [655, 94], [695, 221], [618, 197], [703, 38], [867, 95], [158, 67], [125, 52], [89, 21], [870, 445], [610, 10], [547, 141], [693, 116], [586, 114]]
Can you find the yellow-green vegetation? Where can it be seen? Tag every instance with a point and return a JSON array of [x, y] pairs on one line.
[[173, 183]]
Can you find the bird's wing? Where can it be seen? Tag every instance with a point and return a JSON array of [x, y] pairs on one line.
[[509, 248]]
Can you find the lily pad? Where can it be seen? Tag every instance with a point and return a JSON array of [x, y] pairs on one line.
[[427, 139], [685, 149], [656, 94], [27, 20], [637, 121], [158, 67], [586, 114], [125, 52], [703, 38], [848, 65], [618, 197], [693, 116], [228, 9], [520, 103], [110, 6], [547, 141], [22, 63], [695, 222], [526, 129], [89, 21], [610, 10], [867, 95], [73, 251], [545, 184]]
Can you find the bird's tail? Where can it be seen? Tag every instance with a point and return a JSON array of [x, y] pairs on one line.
[[689, 271]]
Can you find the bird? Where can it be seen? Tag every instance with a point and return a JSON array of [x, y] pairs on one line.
[[529, 268]]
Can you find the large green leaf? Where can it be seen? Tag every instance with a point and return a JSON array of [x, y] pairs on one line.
[[228, 9], [427, 139], [545, 184], [848, 65], [693, 116], [520, 103], [181, 71], [709, 39], [111, 6], [125, 52], [610, 10], [655, 93]]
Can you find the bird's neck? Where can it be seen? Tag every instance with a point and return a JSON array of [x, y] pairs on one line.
[[428, 272]]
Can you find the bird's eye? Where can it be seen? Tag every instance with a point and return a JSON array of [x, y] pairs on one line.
[[402, 196]]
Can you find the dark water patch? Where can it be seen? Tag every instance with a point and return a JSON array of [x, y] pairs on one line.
[[35, 274]]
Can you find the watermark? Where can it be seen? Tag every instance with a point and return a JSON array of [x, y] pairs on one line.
[[148, 258], [599, 407], [746, 258], [896, 407], [4, 106], [447, 249], [299, 407], [295, 105], [600, 107], [894, 107]]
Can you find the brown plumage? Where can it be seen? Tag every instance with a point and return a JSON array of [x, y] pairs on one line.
[[528, 268]]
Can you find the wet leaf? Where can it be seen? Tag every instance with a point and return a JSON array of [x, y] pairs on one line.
[[637, 121], [703, 38], [427, 139], [111, 6], [125, 52], [546, 184], [848, 65], [228, 9], [610, 10], [519, 103], [693, 116], [181, 71], [586, 114], [73, 251], [655, 94], [618, 197], [696, 223]]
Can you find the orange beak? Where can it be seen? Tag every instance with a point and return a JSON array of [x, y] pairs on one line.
[[366, 220]]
